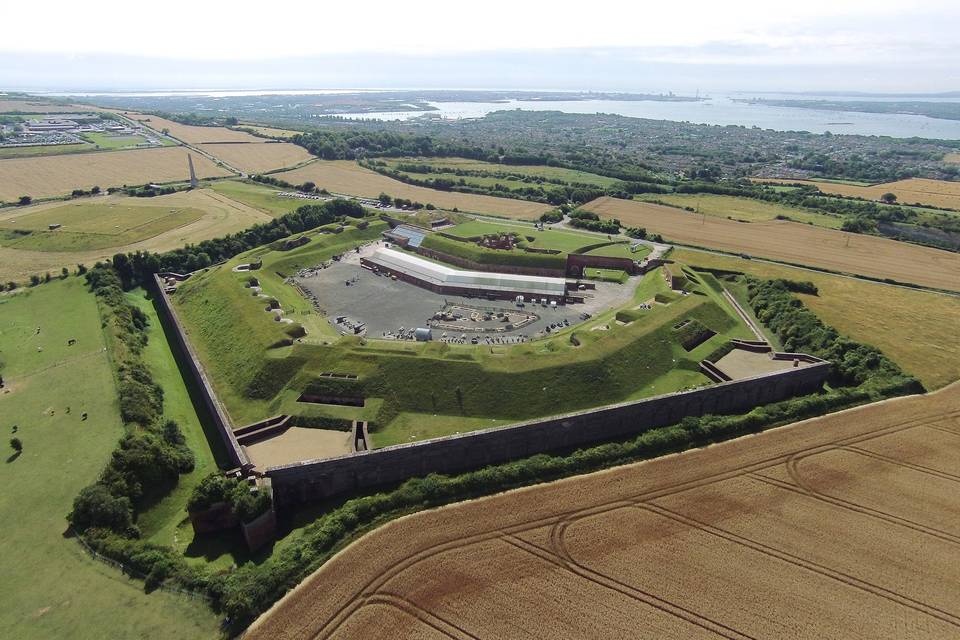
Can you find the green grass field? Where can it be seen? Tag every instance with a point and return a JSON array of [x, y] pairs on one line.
[[606, 275], [621, 250], [414, 427], [231, 330], [745, 209], [88, 224], [257, 196], [166, 523], [50, 587], [107, 141], [560, 240], [485, 256], [569, 176]]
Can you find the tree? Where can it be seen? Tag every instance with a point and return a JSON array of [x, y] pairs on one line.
[[16, 444], [94, 190], [889, 198], [97, 507], [11, 285], [81, 269], [308, 187], [64, 273], [34, 280], [231, 122], [385, 199], [24, 201]]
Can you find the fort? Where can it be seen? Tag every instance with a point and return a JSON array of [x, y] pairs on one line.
[[312, 480]]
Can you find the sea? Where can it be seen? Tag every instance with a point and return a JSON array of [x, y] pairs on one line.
[[723, 109]]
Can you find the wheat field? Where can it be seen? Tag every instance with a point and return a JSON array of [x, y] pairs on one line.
[[792, 242], [843, 526], [347, 177], [53, 176]]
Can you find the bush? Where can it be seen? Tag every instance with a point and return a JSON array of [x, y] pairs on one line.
[[215, 488], [96, 506]]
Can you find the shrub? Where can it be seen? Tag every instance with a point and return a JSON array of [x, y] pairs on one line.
[[215, 488], [96, 506]]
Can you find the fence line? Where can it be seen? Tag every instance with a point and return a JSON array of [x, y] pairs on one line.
[[130, 571]]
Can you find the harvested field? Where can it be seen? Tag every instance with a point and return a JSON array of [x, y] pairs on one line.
[[952, 158], [915, 328], [843, 526], [742, 209], [192, 134], [793, 242], [346, 177], [221, 216], [271, 131], [59, 175], [936, 193], [264, 155]]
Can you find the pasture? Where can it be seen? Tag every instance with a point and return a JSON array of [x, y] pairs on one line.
[[806, 523], [347, 177], [59, 175], [170, 226], [87, 224], [917, 329], [792, 242], [50, 587], [108, 141], [259, 157], [918, 191], [257, 196], [742, 209]]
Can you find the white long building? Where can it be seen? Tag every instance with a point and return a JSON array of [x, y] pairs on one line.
[[443, 279]]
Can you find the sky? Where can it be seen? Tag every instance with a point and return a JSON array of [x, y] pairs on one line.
[[863, 45]]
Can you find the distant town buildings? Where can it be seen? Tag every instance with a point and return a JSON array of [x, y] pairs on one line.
[[70, 128]]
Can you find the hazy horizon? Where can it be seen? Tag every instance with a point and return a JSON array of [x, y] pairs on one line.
[[746, 45]]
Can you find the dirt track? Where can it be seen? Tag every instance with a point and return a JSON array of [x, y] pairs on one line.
[[792, 242], [846, 526]]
